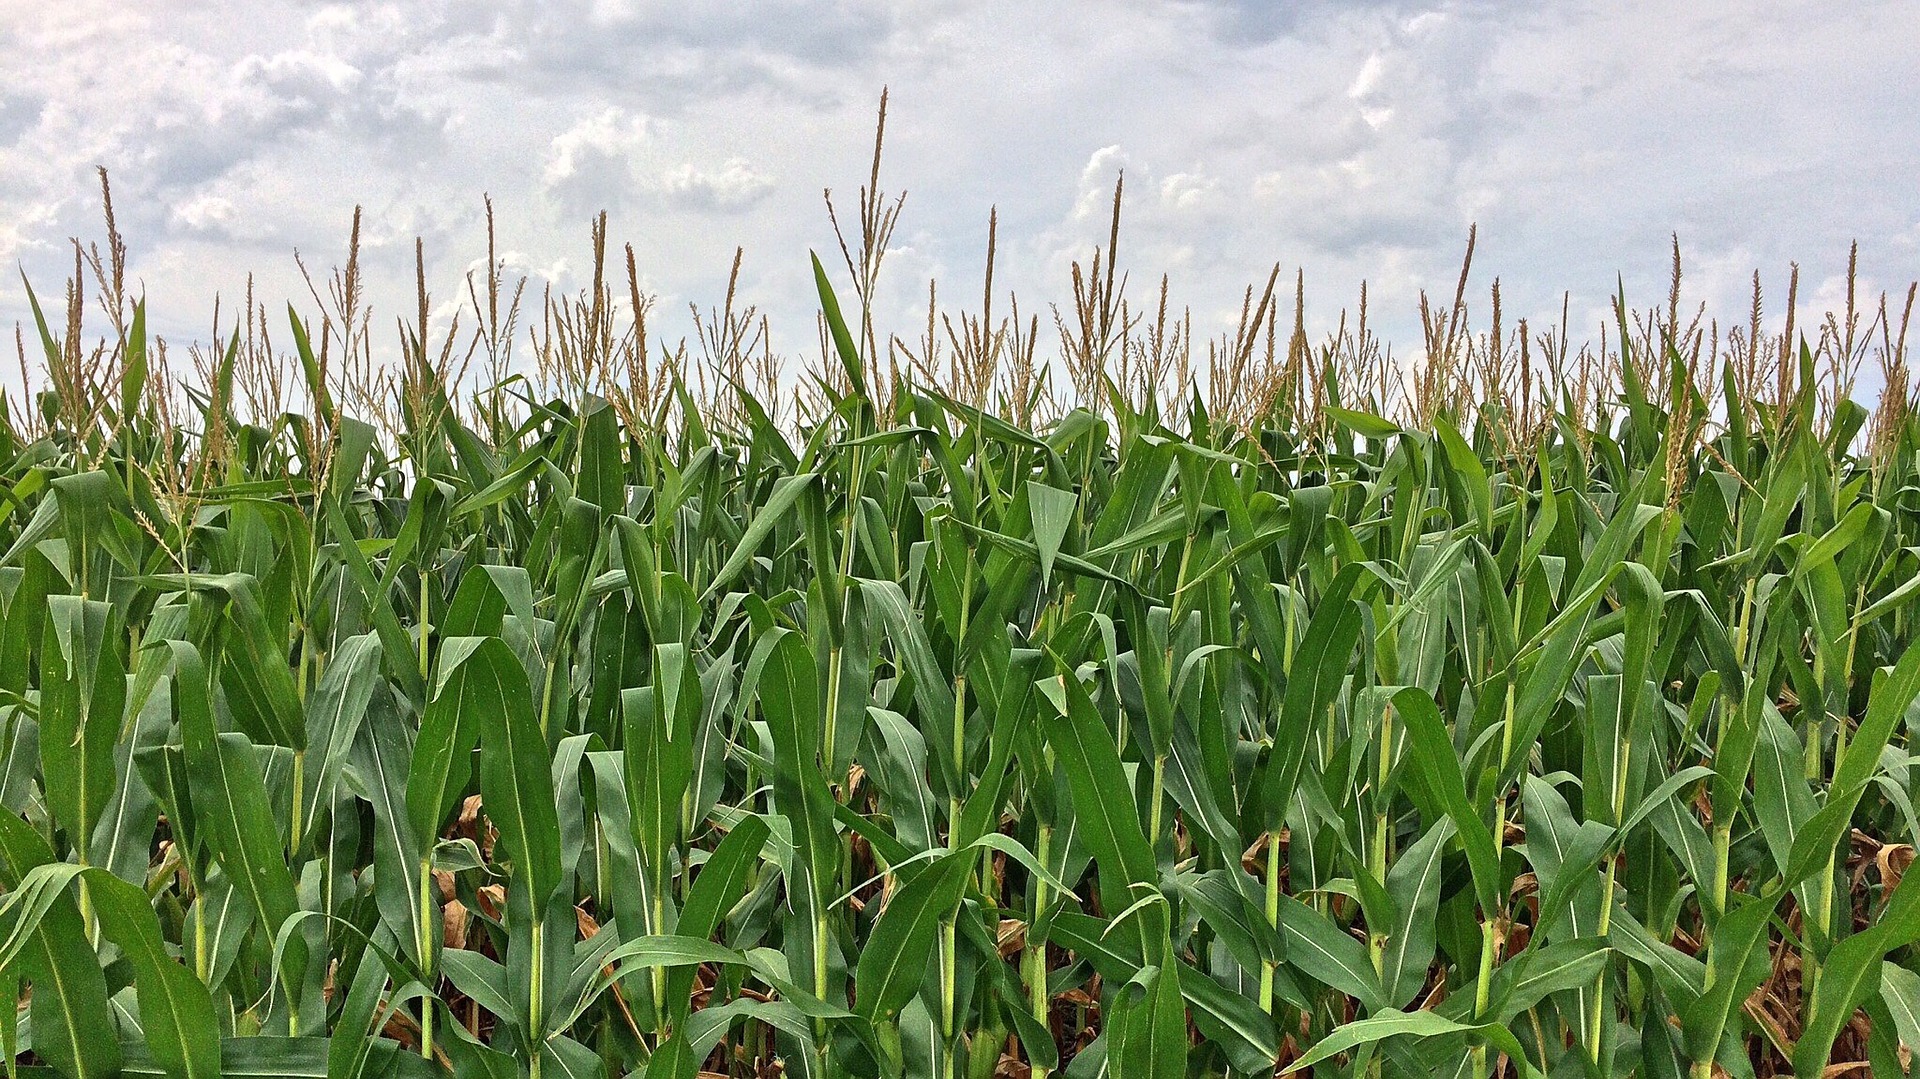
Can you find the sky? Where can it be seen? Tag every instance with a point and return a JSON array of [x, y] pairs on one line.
[[1353, 141]]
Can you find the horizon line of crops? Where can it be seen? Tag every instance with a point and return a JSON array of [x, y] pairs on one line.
[[1547, 712]]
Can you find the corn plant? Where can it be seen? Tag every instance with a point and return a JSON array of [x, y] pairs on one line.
[[621, 719]]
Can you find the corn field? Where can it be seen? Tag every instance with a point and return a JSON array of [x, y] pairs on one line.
[[953, 707]]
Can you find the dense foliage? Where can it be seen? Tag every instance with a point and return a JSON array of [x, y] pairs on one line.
[[608, 721]]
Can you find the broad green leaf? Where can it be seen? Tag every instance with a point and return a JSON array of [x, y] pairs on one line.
[[83, 694], [1412, 1024], [894, 961]]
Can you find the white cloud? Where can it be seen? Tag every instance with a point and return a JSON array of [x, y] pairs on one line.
[[1366, 92], [1368, 79], [595, 152], [1186, 190], [204, 213], [735, 185], [1096, 183]]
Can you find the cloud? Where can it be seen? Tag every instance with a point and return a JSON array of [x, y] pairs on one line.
[[1366, 92], [735, 185], [18, 113], [594, 160], [609, 160], [1357, 140], [1186, 190], [204, 213]]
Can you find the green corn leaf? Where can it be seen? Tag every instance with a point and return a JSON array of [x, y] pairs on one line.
[[69, 1005], [1891, 695], [231, 802], [786, 494], [83, 693], [1320, 950], [723, 879], [1437, 768], [1851, 974], [441, 766], [1414, 885], [335, 711], [379, 770], [1900, 989], [1735, 964], [661, 725], [516, 778], [1411, 1024], [1102, 802], [1318, 669], [895, 960], [1052, 512]]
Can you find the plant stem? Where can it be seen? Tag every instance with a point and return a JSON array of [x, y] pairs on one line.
[[295, 829], [1623, 757], [1482, 994], [1384, 813], [949, 959], [1158, 793], [1267, 966], [425, 626], [535, 992], [658, 913], [426, 954], [1037, 951]]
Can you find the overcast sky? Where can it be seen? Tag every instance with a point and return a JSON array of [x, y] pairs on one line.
[[1357, 141]]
